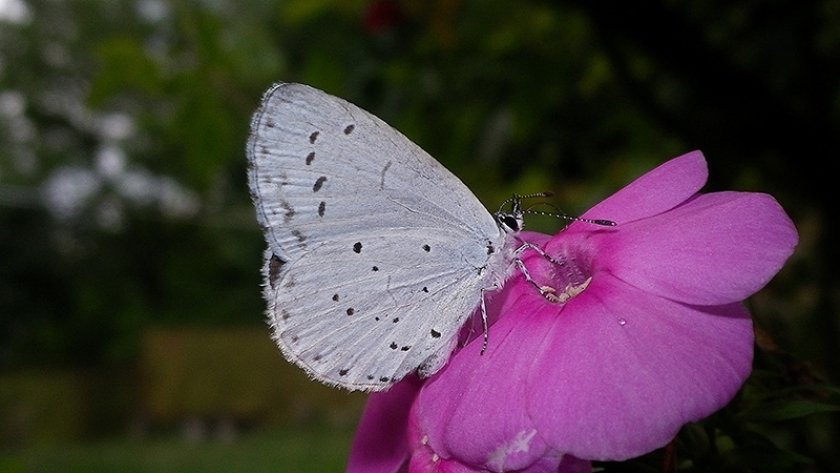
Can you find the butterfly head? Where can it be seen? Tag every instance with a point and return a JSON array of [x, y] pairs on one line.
[[512, 221]]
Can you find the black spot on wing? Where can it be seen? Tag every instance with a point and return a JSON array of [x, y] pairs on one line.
[[300, 236], [427, 248], [382, 175], [435, 334], [278, 180], [310, 157], [289, 282], [290, 211], [319, 183], [313, 137], [322, 207], [275, 265], [351, 311], [349, 129], [357, 247]]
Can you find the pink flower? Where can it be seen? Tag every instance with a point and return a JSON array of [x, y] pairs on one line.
[[651, 335]]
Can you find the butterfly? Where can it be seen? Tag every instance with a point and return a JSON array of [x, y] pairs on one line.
[[376, 254]]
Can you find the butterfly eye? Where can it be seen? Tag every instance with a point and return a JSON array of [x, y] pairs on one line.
[[509, 222], [512, 223]]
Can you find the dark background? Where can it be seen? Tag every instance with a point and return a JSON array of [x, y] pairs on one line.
[[128, 242]]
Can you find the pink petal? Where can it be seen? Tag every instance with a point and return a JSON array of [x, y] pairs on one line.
[[381, 441], [655, 340], [613, 374], [620, 370], [425, 460], [421, 463], [473, 410], [715, 249], [659, 190]]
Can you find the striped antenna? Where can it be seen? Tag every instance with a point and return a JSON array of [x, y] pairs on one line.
[[558, 214]]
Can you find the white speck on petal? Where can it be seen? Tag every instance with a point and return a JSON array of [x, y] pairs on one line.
[[520, 443]]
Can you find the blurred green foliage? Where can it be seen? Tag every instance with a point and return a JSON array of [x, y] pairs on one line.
[[231, 374], [51, 402], [124, 205], [304, 450]]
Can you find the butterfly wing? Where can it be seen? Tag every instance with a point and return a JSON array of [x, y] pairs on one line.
[[376, 253]]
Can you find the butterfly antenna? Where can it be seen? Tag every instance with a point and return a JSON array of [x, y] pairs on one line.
[[560, 214], [517, 198], [517, 209]]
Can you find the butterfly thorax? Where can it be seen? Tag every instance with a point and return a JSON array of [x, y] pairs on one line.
[[503, 257]]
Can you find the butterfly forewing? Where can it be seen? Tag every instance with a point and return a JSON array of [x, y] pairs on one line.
[[376, 253]]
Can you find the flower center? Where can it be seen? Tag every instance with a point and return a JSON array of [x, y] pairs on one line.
[[568, 276], [570, 291]]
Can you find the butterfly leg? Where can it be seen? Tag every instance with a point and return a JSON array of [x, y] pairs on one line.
[[530, 246], [550, 293], [546, 291], [484, 322]]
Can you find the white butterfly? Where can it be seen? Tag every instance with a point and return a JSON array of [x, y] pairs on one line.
[[377, 254]]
